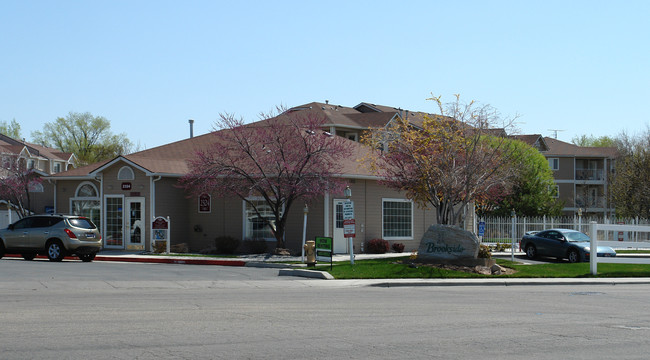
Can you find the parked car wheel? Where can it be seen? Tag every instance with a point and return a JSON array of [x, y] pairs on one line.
[[87, 257], [55, 250], [29, 256], [2, 249], [531, 251], [573, 256]]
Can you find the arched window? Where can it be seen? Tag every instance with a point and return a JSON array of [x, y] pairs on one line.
[[86, 202], [125, 173], [86, 190], [36, 187]]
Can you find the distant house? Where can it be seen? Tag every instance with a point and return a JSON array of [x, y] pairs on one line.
[[125, 194], [45, 161], [582, 174]]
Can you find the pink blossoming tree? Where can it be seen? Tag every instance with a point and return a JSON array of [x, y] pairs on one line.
[[281, 159], [15, 182]]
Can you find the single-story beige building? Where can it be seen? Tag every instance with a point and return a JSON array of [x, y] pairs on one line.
[[123, 196]]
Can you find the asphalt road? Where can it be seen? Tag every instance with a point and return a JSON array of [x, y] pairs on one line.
[[75, 310]]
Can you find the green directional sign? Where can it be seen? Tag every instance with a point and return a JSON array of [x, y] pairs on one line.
[[324, 243], [323, 248]]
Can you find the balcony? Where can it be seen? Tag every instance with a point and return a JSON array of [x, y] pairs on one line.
[[590, 174], [587, 202]]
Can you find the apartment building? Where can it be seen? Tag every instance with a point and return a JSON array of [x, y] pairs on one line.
[[582, 176], [45, 161]]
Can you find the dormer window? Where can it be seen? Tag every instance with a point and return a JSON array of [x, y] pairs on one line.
[[57, 168], [125, 173]]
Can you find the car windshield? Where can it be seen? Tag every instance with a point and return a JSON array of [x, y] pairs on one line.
[[576, 236]]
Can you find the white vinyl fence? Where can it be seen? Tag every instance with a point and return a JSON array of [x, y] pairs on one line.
[[499, 230], [601, 231]]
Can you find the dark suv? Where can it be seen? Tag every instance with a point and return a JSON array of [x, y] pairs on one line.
[[52, 235]]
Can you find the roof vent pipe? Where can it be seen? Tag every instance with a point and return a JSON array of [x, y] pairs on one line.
[[327, 102], [191, 127]]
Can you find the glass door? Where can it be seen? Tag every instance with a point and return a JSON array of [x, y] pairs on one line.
[[114, 228], [340, 242], [135, 223]]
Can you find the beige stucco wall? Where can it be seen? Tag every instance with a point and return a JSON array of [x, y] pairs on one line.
[[199, 230], [368, 196], [40, 200]]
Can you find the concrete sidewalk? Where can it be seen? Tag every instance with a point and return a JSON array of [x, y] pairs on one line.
[[291, 266]]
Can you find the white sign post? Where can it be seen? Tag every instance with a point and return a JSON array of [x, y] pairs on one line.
[[349, 230]]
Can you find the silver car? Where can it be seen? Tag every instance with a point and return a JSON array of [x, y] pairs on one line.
[[55, 236]]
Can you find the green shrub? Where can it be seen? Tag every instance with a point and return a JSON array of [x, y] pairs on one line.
[[377, 246], [502, 247], [398, 247], [226, 244], [484, 252]]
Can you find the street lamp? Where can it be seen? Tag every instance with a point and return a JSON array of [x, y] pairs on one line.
[[347, 192], [580, 219]]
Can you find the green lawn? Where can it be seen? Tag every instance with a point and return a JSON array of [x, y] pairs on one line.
[[395, 269]]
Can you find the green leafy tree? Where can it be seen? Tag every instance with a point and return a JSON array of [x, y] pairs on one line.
[[10, 129], [592, 141], [88, 137], [532, 192]]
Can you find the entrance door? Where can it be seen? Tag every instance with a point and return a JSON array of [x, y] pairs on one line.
[[340, 242], [114, 227], [135, 223]]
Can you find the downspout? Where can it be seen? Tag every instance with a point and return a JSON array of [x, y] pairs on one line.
[[152, 199], [102, 215], [55, 183], [326, 214]]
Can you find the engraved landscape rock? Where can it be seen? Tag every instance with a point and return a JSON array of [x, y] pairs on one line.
[[448, 244]]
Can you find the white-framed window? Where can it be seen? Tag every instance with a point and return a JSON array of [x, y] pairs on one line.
[[397, 219], [554, 163], [31, 163], [86, 190], [86, 202], [258, 227], [125, 173], [56, 168]]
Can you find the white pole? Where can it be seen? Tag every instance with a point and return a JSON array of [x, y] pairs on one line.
[[512, 253], [169, 235], [593, 249], [304, 233]]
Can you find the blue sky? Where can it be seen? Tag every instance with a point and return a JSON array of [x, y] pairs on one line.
[[581, 67]]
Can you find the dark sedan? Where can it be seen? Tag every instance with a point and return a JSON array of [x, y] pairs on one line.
[[563, 244]]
